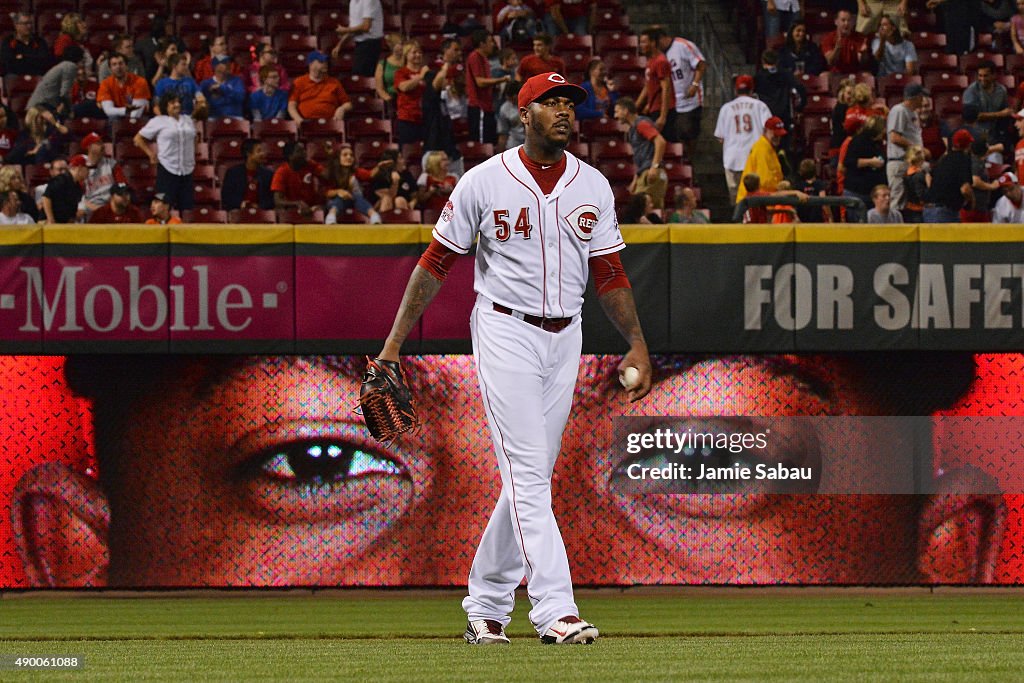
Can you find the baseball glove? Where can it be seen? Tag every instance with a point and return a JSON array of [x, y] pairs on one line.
[[385, 400]]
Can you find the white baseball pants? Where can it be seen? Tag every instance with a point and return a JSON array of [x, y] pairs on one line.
[[527, 378]]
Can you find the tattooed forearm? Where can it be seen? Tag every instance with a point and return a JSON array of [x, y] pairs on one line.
[[420, 291], [619, 306]]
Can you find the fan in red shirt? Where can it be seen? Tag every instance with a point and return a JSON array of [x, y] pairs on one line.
[[409, 87], [119, 209], [296, 182], [845, 50], [204, 67], [541, 61], [480, 88], [658, 95], [1018, 151], [436, 183]]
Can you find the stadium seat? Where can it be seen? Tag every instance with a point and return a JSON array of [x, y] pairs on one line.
[[226, 149], [287, 22], [1014, 63], [929, 61], [359, 84], [927, 41], [227, 128], [368, 153], [423, 22], [322, 129], [205, 174], [412, 216], [575, 64], [617, 171], [564, 43], [242, 22], [816, 85], [679, 174], [604, 128], [228, 8], [630, 83], [205, 214], [620, 63], [141, 20], [81, 127], [324, 21], [196, 22], [126, 151], [921, 20], [365, 104], [674, 152], [610, 44], [91, 8], [300, 43], [611, 22], [969, 63], [947, 104], [611, 149], [204, 196], [293, 216], [20, 84], [819, 104], [365, 129], [258, 216], [272, 6], [893, 85], [108, 20], [942, 81], [242, 44], [1008, 81]]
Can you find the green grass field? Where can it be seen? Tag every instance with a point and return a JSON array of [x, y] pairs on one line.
[[647, 634]]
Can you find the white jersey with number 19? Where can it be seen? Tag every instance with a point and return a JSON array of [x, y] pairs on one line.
[[740, 124]]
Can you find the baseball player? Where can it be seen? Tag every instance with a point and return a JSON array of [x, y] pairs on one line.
[[740, 122], [542, 220]]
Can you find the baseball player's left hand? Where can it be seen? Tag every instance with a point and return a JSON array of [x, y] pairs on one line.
[[639, 359]]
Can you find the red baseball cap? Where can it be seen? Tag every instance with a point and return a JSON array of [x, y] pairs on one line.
[[744, 83], [776, 125], [542, 84], [962, 138], [91, 139], [78, 160]]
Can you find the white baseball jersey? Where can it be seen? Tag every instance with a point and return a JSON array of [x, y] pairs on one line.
[[684, 57], [533, 250], [740, 123], [1006, 212]]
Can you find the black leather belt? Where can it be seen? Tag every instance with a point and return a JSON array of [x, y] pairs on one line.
[[546, 324]]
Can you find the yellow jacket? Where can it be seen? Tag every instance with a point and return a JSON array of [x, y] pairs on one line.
[[764, 161]]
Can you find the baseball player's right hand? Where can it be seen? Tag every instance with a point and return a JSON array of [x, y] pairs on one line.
[[641, 360]]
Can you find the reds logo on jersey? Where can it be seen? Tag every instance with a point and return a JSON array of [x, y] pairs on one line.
[[583, 220], [448, 212]]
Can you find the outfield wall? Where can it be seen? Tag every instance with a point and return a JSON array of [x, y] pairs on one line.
[[165, 468]]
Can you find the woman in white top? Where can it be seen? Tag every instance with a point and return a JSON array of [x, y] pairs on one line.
[[175, 156]]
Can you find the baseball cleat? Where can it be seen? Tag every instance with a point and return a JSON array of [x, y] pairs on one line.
[[568, 631], [485, 632]]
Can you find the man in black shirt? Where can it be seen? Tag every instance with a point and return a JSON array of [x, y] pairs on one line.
[[23, 52], [248, 183], [951, 183], [63, 193], [776, 87]]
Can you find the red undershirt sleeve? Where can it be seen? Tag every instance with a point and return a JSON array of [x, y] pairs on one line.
[[608, 273], [437, 260]]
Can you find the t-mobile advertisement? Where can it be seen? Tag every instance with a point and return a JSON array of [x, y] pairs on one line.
[[257, 471]]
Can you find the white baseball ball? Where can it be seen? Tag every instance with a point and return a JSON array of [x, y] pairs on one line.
[[630, 377]]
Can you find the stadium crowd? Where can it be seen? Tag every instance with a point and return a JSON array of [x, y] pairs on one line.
[[266, 110], [912, 108]]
